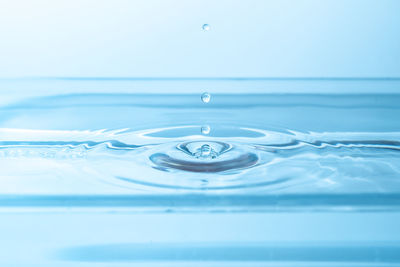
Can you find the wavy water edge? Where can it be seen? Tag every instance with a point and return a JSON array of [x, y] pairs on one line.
[[285, 162]]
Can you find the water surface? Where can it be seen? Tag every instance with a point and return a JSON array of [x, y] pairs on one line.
[[123, 171]]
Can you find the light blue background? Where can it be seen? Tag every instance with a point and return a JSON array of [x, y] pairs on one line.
[[150, 38]]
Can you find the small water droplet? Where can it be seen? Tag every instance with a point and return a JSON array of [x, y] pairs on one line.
[[205, 97], [206, 27], [205, 129]]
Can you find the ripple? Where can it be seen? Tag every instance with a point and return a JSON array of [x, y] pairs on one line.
[[203, 187], [240, 162], [241, 159]]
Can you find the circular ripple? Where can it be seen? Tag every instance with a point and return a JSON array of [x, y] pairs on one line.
[[205, 156], [228, 159], [242, 161]]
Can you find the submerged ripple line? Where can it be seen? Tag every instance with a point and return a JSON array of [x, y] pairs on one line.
[[238, 186]]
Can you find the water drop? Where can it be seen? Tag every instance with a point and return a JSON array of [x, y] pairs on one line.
[[205, 97], [205, 129], [206, 27]]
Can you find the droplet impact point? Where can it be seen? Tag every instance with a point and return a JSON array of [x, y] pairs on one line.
[[206, 158], [205, 151]]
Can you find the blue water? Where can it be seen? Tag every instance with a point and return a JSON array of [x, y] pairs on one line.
[[272, 172]]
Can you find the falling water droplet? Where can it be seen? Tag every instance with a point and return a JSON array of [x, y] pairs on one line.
[[205, 97], [206, 27], [205, 129]]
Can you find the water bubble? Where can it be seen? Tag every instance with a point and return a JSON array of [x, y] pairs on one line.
[[205, 97], [206, 27], [205, 129]]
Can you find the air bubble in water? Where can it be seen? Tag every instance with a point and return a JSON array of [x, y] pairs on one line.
[[206, 27], [205, 97], [205, 129]]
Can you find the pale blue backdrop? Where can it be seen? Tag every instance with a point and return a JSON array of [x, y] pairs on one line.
[[163, 38]]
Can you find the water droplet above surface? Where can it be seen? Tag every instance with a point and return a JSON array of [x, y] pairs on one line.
[[205, 97], [205, 129], [206, 27]]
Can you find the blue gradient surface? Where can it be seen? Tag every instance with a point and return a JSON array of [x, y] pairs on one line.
[[164, 38]]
